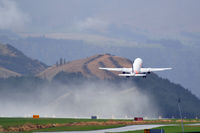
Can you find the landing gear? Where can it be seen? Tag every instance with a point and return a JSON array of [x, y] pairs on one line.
[[145, 77]]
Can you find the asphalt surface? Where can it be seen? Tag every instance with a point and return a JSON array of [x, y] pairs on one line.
[[120, 129], [123, 129]]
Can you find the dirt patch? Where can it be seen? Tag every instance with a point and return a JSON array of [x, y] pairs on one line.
[[187, 121], [1, 128]]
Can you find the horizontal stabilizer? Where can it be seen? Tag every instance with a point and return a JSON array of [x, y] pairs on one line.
[[126, 75], [145, 70], [140, 75], [133, 74], [117, 69]]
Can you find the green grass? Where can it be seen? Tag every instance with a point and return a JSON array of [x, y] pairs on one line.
[[176, 129], [77, 128], [15, 122], [7, 122], [172, 129]]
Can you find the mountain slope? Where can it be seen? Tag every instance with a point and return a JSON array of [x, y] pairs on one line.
[[89, 67], [5, 73], [14, 60], [164, 92], [160, 94], [170, 54]]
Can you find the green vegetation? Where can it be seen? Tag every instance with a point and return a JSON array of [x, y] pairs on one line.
[[163, 92], [17, 122], [7, 122], [172, 129]]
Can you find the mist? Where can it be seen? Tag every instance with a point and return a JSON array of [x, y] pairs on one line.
[[11, 16], [102, 99]]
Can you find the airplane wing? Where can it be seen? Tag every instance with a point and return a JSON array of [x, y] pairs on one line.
[[145, 70], [117, 69]]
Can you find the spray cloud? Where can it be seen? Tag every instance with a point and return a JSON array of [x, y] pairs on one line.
[[105, 100]]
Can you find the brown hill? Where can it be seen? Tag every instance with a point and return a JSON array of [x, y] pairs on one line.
[[5, 73], [89, 66], [14, 60]]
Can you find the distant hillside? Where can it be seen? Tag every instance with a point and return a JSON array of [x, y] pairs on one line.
[[170, 54], [5, 73], [164, 92], [14, 60], [89, 67]]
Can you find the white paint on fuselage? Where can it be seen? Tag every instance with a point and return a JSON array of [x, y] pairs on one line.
[[137, 64]]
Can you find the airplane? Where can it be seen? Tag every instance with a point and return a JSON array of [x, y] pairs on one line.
[[136, 70]]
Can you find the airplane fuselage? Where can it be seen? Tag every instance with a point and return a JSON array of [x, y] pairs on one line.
[[137, 64]]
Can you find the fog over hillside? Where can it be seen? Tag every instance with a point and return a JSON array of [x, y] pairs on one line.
[[74, 95], [164, 34], [180, 59], [104, 99]]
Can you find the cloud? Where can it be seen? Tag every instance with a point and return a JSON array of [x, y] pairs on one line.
[[11, 17], [92, 23], [104, 99]]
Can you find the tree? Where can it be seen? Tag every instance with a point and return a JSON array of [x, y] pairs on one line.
[[64, 61], [61, 61], [56, 63]]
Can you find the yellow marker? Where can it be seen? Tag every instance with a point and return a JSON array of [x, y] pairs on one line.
[[36, 116]]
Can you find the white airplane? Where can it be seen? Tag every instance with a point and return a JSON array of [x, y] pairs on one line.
[[136, 69]]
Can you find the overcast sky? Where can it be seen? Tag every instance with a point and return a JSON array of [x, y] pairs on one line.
[[169, 27], [101, 19]]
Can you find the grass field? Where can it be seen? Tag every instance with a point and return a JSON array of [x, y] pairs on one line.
[[17, 122], [7, 122], [173, 129]]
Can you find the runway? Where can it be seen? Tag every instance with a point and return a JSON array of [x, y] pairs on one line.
[[120, 129]]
